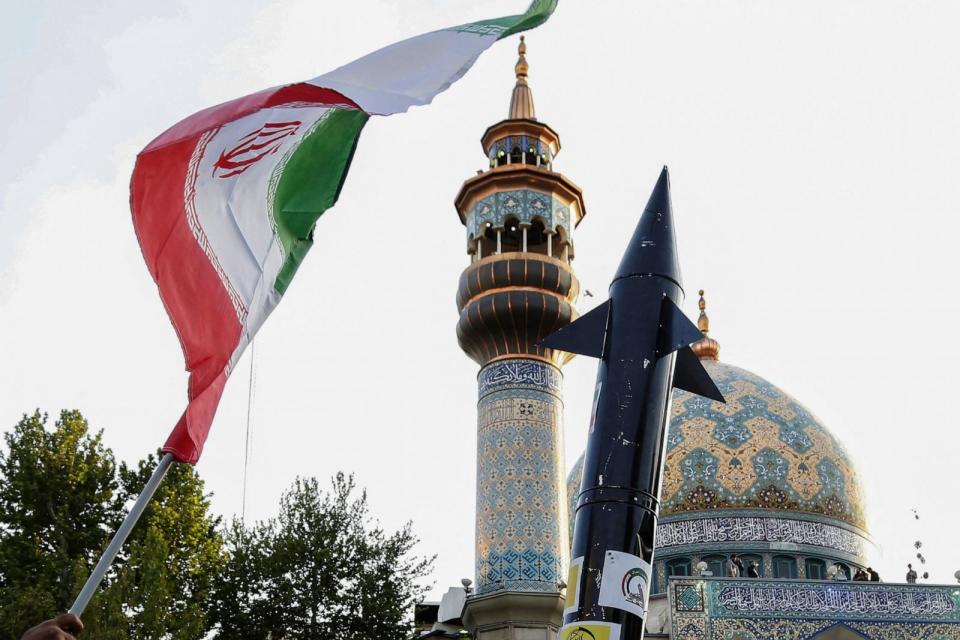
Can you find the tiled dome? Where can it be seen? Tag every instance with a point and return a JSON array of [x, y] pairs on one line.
[[760, 450]]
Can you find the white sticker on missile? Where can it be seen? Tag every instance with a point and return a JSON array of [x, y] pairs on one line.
[[625, 583]]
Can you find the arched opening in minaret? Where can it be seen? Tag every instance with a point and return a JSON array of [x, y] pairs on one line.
[[483, 244], [488, 242], [530, 157], [537, 237], [512, 236], [516, 155]]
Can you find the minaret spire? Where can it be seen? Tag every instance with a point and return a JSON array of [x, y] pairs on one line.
[[518, 288], [521, 102]]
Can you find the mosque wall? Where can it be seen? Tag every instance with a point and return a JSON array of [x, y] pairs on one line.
[[715, 608]]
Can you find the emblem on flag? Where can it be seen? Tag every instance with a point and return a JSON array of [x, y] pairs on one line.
[[254, 147]]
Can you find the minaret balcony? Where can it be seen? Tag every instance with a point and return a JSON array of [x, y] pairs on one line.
[[509, 302]]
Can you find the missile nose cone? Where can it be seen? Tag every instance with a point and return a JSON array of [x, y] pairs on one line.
[[653, 247]]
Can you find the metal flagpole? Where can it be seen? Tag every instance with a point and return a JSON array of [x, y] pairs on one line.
[[80, 604], [246, 446]]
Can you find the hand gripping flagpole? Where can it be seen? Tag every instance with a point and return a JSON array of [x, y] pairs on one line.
[[80, 604]]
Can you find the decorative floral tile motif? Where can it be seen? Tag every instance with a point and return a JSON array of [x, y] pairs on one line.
[[688, 597], [765, 451], [523, 204], [691, 630], [521, 509]]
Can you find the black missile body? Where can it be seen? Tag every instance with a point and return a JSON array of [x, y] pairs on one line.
[[642, 341]]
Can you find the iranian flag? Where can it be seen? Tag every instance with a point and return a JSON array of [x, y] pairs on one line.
[[224, 202]]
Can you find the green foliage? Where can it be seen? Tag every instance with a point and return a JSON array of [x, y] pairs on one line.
[[162, 583], [242, 605], [57, 509], [61, 499], [321, 569]]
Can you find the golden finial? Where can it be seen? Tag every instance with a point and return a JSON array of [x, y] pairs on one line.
[[521, 102], [703, 322], [522, 66], [708, 348]]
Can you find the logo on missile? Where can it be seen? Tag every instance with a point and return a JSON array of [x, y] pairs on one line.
[[632, 586]]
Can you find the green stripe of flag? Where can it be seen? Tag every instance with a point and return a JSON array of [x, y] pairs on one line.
[[536, 14], [309, 183]]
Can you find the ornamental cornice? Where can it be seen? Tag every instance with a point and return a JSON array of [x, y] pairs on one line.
[[521, 127], [520, 176]]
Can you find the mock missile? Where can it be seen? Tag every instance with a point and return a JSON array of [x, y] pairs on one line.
[[642, 341]]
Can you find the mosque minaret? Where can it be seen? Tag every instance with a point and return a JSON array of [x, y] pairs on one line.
[[519, 287]]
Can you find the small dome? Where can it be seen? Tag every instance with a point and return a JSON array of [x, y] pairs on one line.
[[760, 450]]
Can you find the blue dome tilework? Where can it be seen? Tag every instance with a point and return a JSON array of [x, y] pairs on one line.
[[760, 450]]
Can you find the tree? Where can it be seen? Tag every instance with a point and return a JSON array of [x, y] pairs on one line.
[[242, 605], [61, 499], [162, 585], [58, 506], [321, 569]]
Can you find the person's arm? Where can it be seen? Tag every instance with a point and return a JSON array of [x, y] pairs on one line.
[[64, 627]]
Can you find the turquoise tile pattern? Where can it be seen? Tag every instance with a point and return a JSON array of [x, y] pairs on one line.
[[526, 205], [521, 507], [760, 450], [721, 609]]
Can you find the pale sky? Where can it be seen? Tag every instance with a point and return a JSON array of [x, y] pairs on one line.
[[814, 150]]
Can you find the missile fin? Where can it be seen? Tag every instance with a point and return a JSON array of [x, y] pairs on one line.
[[676, 330], [585, 335], [689, 375]]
